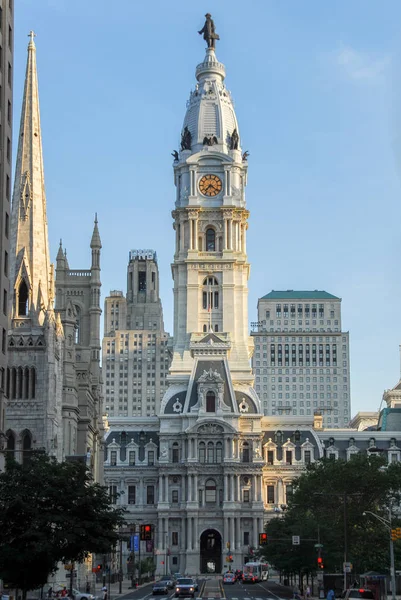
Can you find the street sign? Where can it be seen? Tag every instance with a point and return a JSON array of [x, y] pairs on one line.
[[296, 540], [318, 545], [347, 567]]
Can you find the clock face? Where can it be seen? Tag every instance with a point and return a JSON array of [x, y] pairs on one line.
[[210, 185]]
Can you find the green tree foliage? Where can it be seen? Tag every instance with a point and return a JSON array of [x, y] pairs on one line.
[[51, 512], [328, 503]]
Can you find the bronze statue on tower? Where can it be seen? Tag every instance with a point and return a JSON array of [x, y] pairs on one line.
[[209, 31]]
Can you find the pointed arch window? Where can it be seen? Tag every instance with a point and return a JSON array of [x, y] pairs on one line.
[[77, 332], [10, 443], [26, 446], [23, 299], [211, 402], [210, 240]]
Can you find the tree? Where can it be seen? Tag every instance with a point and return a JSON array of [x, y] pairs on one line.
[[328, 503], [51, 512]]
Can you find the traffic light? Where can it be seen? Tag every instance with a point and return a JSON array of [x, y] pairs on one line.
[[262, 539], [146, 532], [229, 558], [98, 568], [398, 530], [320, 564], [394, 535]]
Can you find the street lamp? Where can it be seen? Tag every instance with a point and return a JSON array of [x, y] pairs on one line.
[[387, 524]]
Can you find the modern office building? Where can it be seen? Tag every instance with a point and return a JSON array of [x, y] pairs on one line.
[[136, 355], [301, 359], [6, 105]]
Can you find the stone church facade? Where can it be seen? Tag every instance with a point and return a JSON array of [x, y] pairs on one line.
[[53, 380]]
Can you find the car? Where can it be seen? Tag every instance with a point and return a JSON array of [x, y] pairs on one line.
[[57, 589], [365, 593], [248, 577], [160, 587], [168, 580], [229, 578], [185, 587]]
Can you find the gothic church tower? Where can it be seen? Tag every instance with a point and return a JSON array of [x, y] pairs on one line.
[[35, 339]]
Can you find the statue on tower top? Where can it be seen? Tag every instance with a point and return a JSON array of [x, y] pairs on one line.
[[209, 32]]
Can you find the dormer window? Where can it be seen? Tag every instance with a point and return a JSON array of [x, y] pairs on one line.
[[210, 402], [113, 458]]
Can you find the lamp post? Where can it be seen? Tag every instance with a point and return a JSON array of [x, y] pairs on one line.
[[387, 524]]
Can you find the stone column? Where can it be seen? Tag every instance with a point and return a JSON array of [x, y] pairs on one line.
[[190, 234], [255, 543], [159, 533], [196, 533], [189, 488], [160, 488], [141, 492], [225, 534], [254, 490], [230, 234], [238, 533], [232, 488], [196, 495], [225, 241], [225, 488], [239, 499], [189, 543], [232, 534]]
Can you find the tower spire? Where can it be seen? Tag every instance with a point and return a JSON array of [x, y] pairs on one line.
[[30, 262]]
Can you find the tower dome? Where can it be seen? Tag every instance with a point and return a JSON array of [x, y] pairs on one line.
[[210, 116]]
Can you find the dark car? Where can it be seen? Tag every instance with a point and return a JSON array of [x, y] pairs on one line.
[[168, 580], [160, 587], [248, 577], [364, 593], [185, 587]]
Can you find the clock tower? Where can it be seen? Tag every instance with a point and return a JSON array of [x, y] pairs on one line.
[[210, 268]]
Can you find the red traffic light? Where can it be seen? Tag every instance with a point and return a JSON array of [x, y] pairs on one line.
[[319, 560], [262, 539]]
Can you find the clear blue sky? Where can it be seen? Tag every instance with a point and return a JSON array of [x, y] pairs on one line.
[[318, 96]]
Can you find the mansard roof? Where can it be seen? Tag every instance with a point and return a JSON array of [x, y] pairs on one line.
[[299, 295]]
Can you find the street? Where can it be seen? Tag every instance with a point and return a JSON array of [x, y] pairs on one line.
[[211, 588]]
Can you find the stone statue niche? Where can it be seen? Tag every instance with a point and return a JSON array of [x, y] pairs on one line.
[[210, 386]]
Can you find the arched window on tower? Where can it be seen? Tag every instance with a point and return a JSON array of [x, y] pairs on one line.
[[77, 332], [210, 452], [210, 295], [210, 402], [22, 299], [210, 240], [202, 452]]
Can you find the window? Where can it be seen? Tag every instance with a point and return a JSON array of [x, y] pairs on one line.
[[131, 494], [202, 452], [174, 496], [270, 457], [131, 458], [210, 402], [9, 75], [270, 494], [113, 493], [246, 538], [288, 492], [174, 538], [8, 149], [246, 496], [113, 458], [288, 457], [245, 452], [151, 458], [3, 341], [6, 264], [142, 281], [210, 491], [219, 452], [5, 301], [307, 457], [210, 452], [150, 494], [7, 226], [10, 37], [175, 453], [210, 240]]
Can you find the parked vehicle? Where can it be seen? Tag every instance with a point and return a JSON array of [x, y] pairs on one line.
[[185, 587]]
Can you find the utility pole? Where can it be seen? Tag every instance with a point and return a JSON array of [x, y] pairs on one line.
[[120, 574], [345, 540]]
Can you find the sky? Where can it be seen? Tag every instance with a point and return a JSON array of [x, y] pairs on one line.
[[317, 91]]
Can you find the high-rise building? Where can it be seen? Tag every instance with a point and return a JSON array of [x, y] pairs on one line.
[[301, 359], [53, 375], [6, 103], [136, 356]]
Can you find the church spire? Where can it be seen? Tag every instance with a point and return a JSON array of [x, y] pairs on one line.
[[31, 271]]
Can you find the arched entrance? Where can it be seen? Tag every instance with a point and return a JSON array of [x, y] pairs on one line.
[[210, 551]]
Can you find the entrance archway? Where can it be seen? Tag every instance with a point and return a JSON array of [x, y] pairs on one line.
[[210, 551]]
